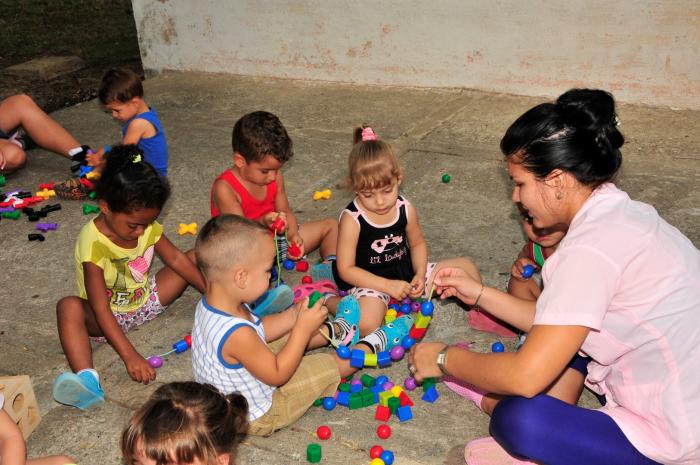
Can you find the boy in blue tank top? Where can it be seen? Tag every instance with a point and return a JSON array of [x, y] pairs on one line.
[[121, 95]]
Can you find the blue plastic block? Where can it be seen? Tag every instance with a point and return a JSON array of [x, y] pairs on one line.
[[383, 359], [357, 358], [430, 395], [404, 413], [343, 398], [376, 389], [355, 388], [381, 379]]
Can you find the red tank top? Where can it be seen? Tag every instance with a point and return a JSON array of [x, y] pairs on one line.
[[252, 207]]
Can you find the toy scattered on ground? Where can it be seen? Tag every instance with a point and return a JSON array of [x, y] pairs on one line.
[[46, 193], [13, 215], [384, 431], [44, 227], [306, 279], [156, 361], [187, 229], [323, 195], [446, 178], [288, 264], [323, 432], [36, 237], [313, 453], [497, 347], [88, 209], [528, 271], [20, 403], [2, 180]]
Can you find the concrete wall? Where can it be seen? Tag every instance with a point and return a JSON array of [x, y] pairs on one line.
[[642, 51]]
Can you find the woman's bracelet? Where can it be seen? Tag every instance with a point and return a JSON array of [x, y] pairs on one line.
[[481, 292]]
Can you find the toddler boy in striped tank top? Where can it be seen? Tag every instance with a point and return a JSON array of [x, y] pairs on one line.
[[230, 343]]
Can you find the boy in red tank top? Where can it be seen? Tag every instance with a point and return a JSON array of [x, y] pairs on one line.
[[253, 187]]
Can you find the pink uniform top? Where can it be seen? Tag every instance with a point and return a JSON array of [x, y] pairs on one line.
[[634, 279], [252, 208]]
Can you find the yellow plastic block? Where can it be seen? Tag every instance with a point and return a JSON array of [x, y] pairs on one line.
[[384, 398], [20, 403], [421, 321], [396, 391], [370, 360]]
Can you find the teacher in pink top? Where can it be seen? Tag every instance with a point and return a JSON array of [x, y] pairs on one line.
[[622, 292]]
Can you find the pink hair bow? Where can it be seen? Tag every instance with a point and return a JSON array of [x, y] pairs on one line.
[[368, 134]]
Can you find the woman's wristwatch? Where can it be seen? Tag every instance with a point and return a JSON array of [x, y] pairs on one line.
[[442, 360]]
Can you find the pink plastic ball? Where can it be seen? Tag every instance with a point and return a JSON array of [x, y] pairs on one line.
[[397, 353], [155, 361], [410, 383], [388, 385]]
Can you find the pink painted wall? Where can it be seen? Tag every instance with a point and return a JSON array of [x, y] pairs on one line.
[[643, 51]]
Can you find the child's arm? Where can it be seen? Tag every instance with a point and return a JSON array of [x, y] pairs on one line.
[[138, 129], [12, 448], [348, 234], [180, 263], [282, 206], [455, 282], [137, 367], [419, 251], [227, 201], [245, 347]]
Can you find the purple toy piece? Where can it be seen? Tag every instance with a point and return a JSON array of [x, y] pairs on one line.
[[406, 300], [410, 383], [355, 382], [415, 306], [43, 227], [397, 353], [7, 209], [342, 293], [155, 361], [388, 385]]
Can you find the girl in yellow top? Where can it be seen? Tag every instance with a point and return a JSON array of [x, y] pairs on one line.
[[113, 255]]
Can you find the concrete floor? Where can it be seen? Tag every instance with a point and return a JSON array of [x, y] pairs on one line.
[[436, 132]]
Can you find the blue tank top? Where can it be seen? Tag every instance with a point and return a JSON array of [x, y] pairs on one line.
[[155, 149]]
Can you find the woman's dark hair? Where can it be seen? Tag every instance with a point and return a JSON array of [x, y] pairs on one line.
[[577, 134], [184, 421], [128, 183]]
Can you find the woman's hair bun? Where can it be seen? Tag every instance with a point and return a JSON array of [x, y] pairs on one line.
[[593, 110]]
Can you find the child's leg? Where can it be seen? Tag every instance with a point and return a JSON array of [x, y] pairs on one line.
[[76, 323], [12, 157], [20, 110], [317, 376], [321, 233], [526, 290], [170, 284], [372, 314]]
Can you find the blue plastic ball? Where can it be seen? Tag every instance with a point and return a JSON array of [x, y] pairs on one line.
[[405, 308], [395, 307], [329, 403], [288, 265], [528, 271], [407, 342], [426, 308], [387, 457], [343, 352], [381, 379], [498, 347]]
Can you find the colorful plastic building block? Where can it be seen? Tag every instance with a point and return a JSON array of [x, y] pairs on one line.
[[383, 359], [87, 209], [421, 321], [313, 453], [187, 229], [314, 297], [404, 413], [371, 360], [302, 266], [384, 397], [343, 352], [357, 358], [368, 380], [36, 237], [417, 333], [47, 186], [394, 404], [12, 215], [44, 227], [430, 395], [390, 315], [323, 195], [355, 401], [46, 194], [405, 400], [382, 413], [2, 180], [343, 398]]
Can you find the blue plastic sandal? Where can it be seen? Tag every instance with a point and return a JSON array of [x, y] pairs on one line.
[[82, 391], [273, 301]]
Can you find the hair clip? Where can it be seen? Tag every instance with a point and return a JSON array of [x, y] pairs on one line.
[[137, 159], [616, 121], [368, 134]]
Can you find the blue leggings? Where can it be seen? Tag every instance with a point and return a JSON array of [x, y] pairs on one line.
[[552, 432]]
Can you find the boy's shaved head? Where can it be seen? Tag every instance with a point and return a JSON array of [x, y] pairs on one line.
[[227, 241]]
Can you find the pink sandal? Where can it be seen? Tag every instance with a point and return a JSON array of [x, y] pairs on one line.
[[482, 320], [324, 286], [486, 451]]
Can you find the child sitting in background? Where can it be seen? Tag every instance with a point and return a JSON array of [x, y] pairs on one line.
[[230, 344], [186, 423], [541, 245], [121, 95], [13, 450], [382, 253], [254, 188], [113, 255]]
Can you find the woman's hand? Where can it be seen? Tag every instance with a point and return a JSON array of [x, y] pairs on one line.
[[422, 360], [455, 282]]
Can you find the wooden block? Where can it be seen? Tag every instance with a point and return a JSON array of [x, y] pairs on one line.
[[20, 402]]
